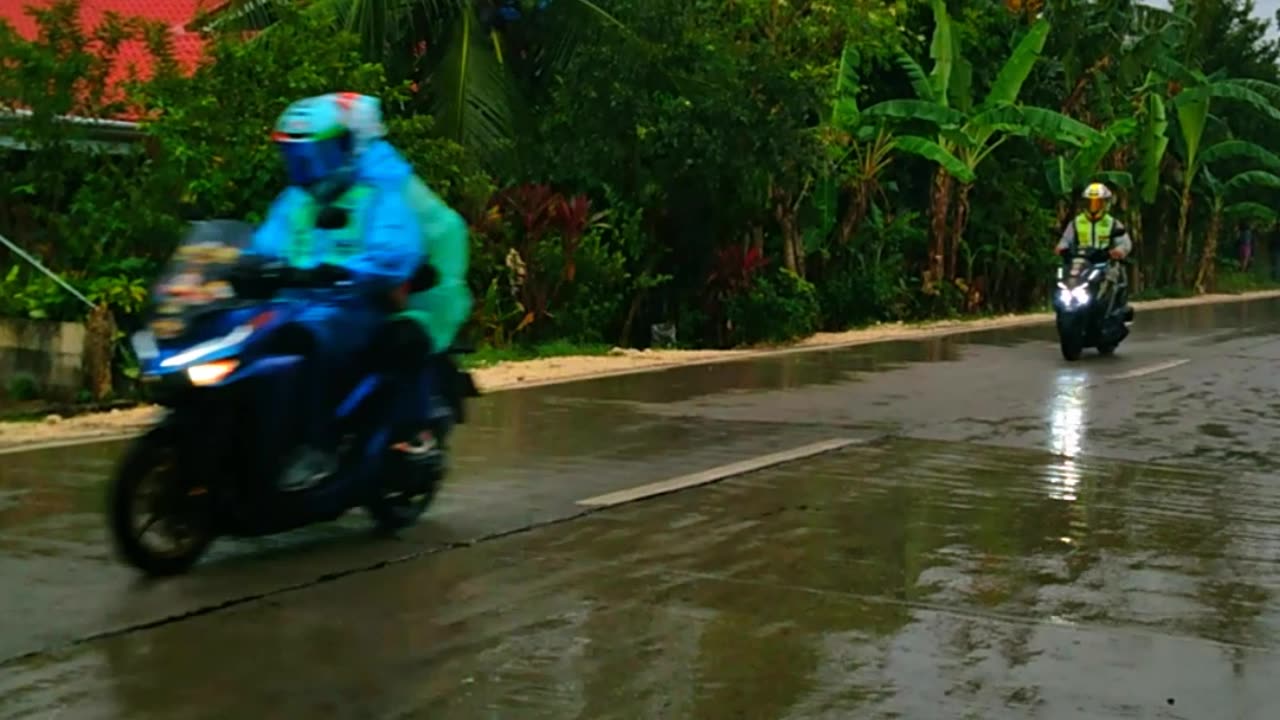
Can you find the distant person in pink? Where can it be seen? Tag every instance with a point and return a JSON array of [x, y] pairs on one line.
[[1246, 247]]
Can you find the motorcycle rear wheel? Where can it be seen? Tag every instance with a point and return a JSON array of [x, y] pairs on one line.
[[151, 464], [407, 489]]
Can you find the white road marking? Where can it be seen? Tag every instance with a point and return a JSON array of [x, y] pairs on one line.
[[1149, 369], [705, 477]]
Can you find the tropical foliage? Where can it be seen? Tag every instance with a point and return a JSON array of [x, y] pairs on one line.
[[745, 171]]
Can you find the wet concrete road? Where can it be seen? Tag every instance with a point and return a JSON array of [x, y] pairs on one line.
[[1015, 536]]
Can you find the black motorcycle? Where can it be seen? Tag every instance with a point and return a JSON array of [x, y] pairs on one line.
[[1086, 306]]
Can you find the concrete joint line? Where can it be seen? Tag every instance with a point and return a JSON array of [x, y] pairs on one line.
[[717, 474]]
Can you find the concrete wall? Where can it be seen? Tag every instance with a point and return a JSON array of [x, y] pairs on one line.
[[52, 352]]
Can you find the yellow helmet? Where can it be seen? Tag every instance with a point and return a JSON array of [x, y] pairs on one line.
[[1099, 196]]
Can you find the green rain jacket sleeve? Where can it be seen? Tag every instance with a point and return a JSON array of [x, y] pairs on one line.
[[442, 310]]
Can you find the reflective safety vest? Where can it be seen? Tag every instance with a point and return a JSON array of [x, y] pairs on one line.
[[1094, 235], [309, 246]]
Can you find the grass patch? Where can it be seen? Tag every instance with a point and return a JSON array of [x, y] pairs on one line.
[[1242, 282], [1163, 293], [488, 356]]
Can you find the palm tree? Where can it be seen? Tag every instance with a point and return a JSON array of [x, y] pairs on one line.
[[468, 55]]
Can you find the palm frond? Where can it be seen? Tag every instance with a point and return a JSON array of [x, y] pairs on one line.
[[472, 94]]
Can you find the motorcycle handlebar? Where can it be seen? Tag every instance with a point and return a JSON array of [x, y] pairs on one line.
[[262, 280]]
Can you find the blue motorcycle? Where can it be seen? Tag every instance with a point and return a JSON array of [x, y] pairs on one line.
[[212, 357]]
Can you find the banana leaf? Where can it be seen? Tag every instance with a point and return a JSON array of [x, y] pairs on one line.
[[1060, 175], [920, 82], [935, 153], [1241, 150], [943, 51], [1037, 122], [1252, 178], [1115, 178], [916, 110], [845, 114], [1250, 211], [1193, 113], [1153, 142], [1008, 83], [1234, 90]]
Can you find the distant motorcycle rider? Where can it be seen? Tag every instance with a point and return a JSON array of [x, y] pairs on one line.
[[1095, 233]]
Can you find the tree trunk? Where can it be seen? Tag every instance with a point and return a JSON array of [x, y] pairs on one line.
[[1063, 214], [788, 248], [940, 210], [1082, 84], [957, 228], [1137, 280], [855, 213], [792, 240], [1180, 251], [1205, 276], [99, 344]]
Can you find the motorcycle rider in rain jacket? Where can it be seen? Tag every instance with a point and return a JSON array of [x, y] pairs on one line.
[[355, 211], [1095, 231]]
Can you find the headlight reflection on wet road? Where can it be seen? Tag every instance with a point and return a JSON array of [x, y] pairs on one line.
[[1066, 431]]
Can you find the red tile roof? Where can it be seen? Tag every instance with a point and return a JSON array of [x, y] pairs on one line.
[[134, 57]]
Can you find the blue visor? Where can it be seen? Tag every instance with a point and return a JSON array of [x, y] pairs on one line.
[[309, 162]]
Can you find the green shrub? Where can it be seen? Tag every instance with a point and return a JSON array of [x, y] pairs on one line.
[[870, 279], [22, 387], [777, 308], [591, 309]]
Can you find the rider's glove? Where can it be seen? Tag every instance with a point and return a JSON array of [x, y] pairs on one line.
[[252, 276], [1117, 254], [400, 344], [326, 274]]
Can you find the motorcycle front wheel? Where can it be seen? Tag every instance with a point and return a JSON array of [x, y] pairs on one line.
[[1071, 338], [148, 494]]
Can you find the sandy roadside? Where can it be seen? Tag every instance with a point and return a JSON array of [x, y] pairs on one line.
[[546, 371]]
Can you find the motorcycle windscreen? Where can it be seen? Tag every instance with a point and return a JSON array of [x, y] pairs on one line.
[[195, 276]]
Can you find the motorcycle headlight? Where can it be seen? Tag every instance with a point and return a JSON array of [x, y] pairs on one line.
[[1078, 295], [211, 373]]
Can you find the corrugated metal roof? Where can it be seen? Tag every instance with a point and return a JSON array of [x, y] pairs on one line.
[[134, 59]]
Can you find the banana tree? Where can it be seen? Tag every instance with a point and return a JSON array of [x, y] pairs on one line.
[[1219, 193], [1193, 92], [467, 50], [1069, 172], [859, 149], [971, 133], [1111, 42]]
